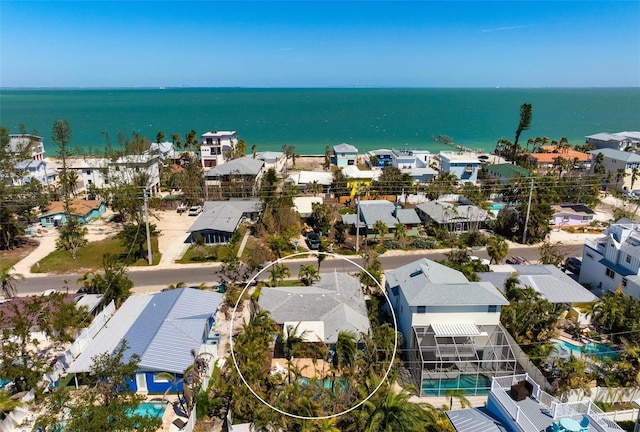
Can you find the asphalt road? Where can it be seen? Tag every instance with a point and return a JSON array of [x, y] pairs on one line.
[[153, 280]]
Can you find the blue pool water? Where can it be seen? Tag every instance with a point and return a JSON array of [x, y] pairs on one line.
[[472, 384], [151, 409], [496, 206], [592, 348], [326, 383], [3, 383]]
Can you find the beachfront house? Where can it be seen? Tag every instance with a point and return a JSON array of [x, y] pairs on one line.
[[163, 150], [130, 169], [614, 160], [272, 159], [571, 215], [90, 171], [613, 261], [345, 155], [456, 218], [220, 219], [406, 159], [555, 157], [216, 147], [615, 141], [236, 178], [380, 158], [29, 170], [391, 214], [463, 165], [517, 403], [32, 144], [83, 210], [506, 172], [303, 179], [329, 306], [450, 328], [163, 329]]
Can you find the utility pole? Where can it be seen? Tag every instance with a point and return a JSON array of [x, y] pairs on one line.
[[526, 221], [357, 219], [146, 217]]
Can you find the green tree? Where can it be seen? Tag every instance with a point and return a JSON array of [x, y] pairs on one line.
[[339, 184], [380, 228], [278, 273], [8, 279], [321, 217], [72, 236], [392, 181], [114, 284], [308, 274], [552, 253], [458, 394], [400, 232], [497, 248], [526, 116], [314, 187], [61, 135], [327, 158], [241, 149], [107, 404], [373, 265], [134, 239]]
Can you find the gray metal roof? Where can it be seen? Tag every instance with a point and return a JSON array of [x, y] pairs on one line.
[[407, 216], [427, 283], [336, 299], [345, 148], [446, 212], [375, 210], [617, 154], [162, 328], [242, 166], [548, 280], [224, 216], [475, 420]]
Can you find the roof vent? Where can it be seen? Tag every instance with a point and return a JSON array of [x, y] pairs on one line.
[[416, 273]]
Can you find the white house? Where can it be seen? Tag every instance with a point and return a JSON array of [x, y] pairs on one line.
[[272, 159], [612, 161], [34, 169], [616, 141], [450, 328], [21, 142], [405, 159], [91, 171], [613, 261], [126, 169], [463, 165], [215, 146]]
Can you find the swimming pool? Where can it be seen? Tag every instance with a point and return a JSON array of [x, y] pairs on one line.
[[497, 206], [593, 349], [471, 384], [326, 383], [151, 409]]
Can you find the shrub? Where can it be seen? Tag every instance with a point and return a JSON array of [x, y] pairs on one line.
[[392, 244], [424, 243]]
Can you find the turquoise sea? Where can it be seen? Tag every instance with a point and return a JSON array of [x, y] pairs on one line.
[[311, 119]]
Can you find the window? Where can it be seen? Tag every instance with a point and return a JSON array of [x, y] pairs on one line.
[[492, 308], [48, 220], [624, 282], [590, 255], [628, 258], [422, 309], [159, 379], [610, 273], [88, 172]]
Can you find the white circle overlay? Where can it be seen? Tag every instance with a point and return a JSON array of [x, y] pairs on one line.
[[395, 345]]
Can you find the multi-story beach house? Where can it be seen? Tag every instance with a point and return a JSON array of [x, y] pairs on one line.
[[463, 165], [130, 168], [20, 142], [613, 261], [90, 171], [236, 178], [216, 146], [345, 155], [406, 159], [359, 181], [616, 141], [450, 328], [614, 160], [34, 169]]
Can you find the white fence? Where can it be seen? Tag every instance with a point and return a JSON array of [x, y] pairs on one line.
[[604, 394]]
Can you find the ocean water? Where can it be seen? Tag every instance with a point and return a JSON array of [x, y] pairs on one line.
[[311, 119]]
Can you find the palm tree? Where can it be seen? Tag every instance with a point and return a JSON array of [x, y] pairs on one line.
[[8, 279], [497, 248], [620, 175], [458, 394], [380, 229], [400, 232], [278, 273], [314, 187], [635, 173], [307, 274], [524, 124]]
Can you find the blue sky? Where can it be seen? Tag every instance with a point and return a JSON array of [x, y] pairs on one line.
[[319, 44]]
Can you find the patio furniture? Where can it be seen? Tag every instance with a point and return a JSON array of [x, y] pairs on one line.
[[180, 423], [555, 427], [570, 424], [519, 392], [584, 424]]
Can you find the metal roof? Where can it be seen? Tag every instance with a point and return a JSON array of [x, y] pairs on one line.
[[242, 166], [345, 148], [224, 216], [162, 328], [458, 329], [375, 210], [446, 212], [475, 420], [336, 300], [548, 280], [617, 155], [427, 283]]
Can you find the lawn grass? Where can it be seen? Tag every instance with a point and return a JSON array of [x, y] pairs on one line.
[[89, 257], [9, 262]]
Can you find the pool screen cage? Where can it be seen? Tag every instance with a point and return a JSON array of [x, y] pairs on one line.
[[459, 357]]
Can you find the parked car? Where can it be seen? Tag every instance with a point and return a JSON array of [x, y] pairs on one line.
[[517, 260], [313, 241], [573, 264], [195, 210], [182, 208]]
